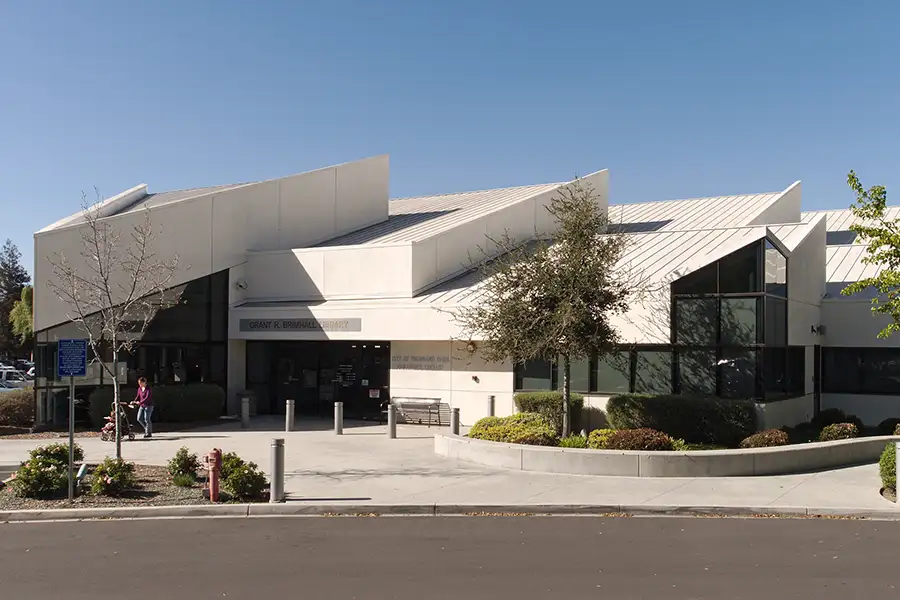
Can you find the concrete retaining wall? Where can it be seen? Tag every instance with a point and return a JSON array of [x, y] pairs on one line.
[[799, 458]]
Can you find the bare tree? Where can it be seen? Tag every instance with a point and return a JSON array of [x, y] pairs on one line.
[[554, 299], [114, 290]]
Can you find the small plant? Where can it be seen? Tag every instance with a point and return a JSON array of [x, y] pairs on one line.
[[522, 428], [766, 439], [40, 478], [573, 441], [597, 438], [639, 439], [58, 453], [839, 431], [887, 467], [230, 463], [113, 477], [245, 482], [185, 463], [184, 480]]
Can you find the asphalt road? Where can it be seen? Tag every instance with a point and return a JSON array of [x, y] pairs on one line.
[[461, 558]]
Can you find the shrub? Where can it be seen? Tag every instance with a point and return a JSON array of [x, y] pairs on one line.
[[839, 431], [695, 420], [245, 482], [803, 433], [522, 428], [184, 463], [766, 439], [829, 416], [889, 426], [17, 408], [573, 441], [172, 403], [58, 453], [184, 480], [639, 439], [113, 477], [887, 467], [597, 438], [230, 463], [550, 406], [41, 478]]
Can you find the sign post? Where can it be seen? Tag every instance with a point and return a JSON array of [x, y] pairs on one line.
[[71, 362]]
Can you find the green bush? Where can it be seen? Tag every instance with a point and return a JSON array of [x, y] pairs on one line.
[[887, 467], [58, 453], [639, 439], [550, 406], [803, 433], [172, 403], [889, 426], [184, 463], [695, 420], [682, 446], [245, 482], [829, 416], [839, 431], [17, 408], [230, 463], [522, 428], [113, 477], [184, 480], [41, 478], [766, 439], [573, 441], [597, 438]]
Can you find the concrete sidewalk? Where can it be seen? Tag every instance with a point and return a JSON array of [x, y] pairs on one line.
[[363, 467]]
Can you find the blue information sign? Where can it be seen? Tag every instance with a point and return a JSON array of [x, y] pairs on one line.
[[72, 358]]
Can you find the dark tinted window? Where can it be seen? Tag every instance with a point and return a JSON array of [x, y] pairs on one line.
[[697, 372], [776, 271], [776, 321], [580, 372], [796, 371], [881, 370], [740, 321], [695, 321], [702, 281], [614, 373], [535, 375], [775, 372], [738, 369], [841, 369], [739, 271], [653, 372]]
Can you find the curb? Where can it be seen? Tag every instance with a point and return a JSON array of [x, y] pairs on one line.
[[298, 509]]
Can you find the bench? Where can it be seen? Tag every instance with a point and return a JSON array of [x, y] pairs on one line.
[[418, 410]]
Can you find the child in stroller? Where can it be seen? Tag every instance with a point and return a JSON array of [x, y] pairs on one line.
[[108, 433]]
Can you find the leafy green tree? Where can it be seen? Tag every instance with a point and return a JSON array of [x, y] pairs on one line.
[[13, 277], [881, 235], [553, 299], [22, 317]]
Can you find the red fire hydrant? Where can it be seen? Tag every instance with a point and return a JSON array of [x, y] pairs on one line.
[[214, 465]]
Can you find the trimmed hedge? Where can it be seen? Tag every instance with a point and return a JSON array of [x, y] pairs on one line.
[[639, 439], [695, 420], [766, 439], [523, 428], [887, 467], [550, 406], [887, 427], [839, 431], [172, 403], [17, 408]]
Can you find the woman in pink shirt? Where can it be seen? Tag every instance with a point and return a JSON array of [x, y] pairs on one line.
[[144, 401]]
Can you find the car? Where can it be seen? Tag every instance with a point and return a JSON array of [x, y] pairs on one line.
[[14, 378]]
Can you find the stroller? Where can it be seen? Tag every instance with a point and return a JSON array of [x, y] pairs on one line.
[[108, 432]]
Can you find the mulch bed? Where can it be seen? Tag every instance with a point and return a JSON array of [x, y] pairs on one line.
[[154, 489]]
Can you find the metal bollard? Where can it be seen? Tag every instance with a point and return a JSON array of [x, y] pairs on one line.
[[392, 421], [338, 418], [289, 415], [276, 485], [454, 421], [245, 412], [490, 406]]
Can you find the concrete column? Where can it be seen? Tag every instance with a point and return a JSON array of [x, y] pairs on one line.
[[391, 421], [289, 415], [454, 421], [245, 412], [338, 418], [490, 406], [276, 485]]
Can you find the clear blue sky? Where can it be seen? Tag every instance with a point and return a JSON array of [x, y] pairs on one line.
[[678, 99]]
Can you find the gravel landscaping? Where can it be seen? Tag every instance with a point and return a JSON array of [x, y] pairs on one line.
[[154, 489]]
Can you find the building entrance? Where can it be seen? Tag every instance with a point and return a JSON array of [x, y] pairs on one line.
[[317, 374]]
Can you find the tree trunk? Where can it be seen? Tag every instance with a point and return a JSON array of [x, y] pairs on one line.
[[115, 369], [567, 392]]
